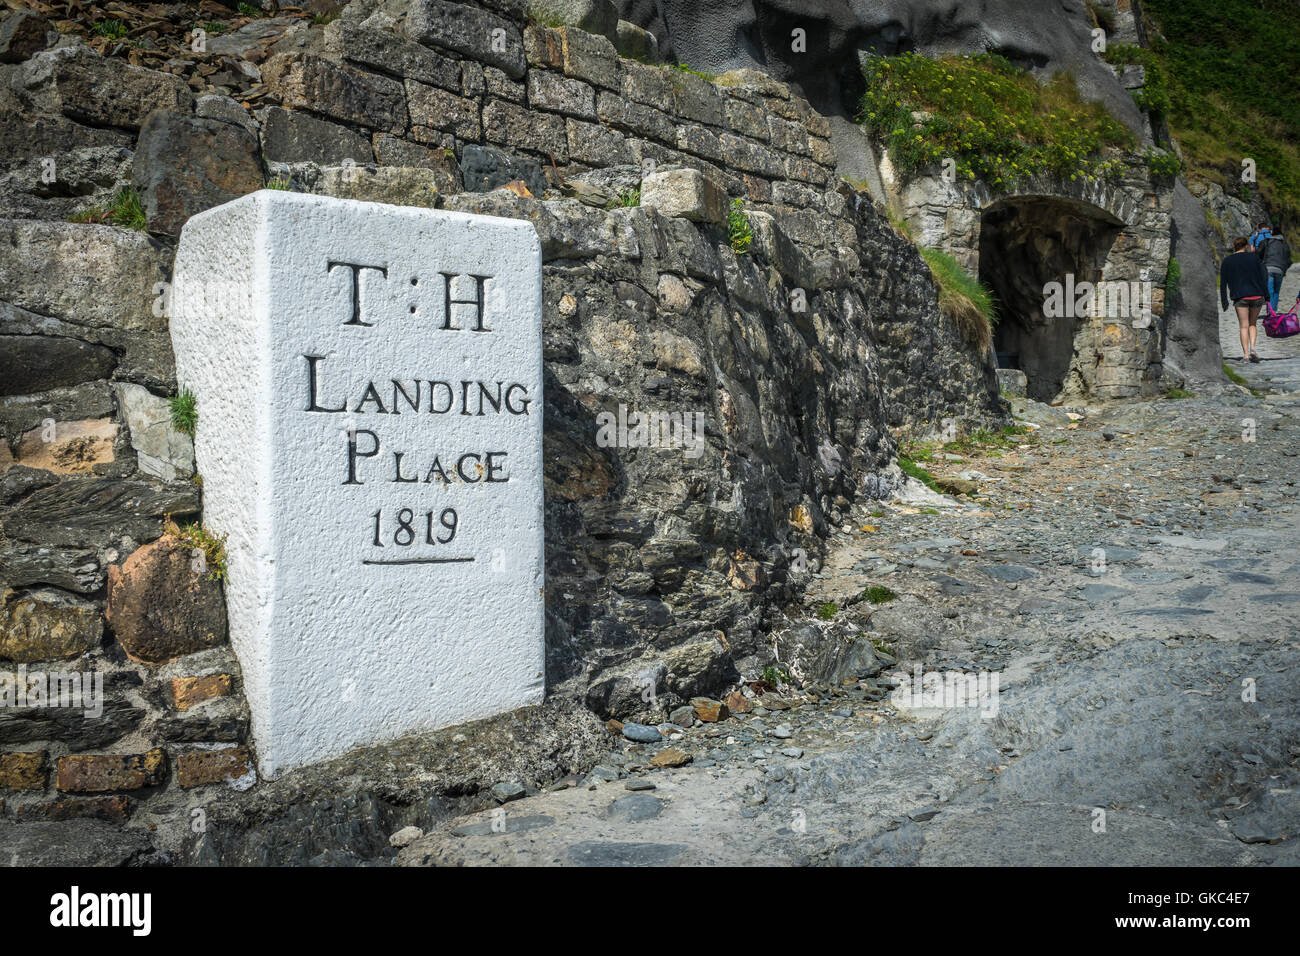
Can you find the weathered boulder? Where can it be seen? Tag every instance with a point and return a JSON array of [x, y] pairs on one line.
[[85, 725], [61, 180], [112, 292], [467, 30], [161, 450], [77, 569], [160, 606], [684, 192], [104, 773], [100, 91], [48, 624], [226, 110], [396, 185], [484, 168], [339, 92], [36, 363], [22, 771], [290, 136], [594, 16], [1191, 316], [23, 33], [186, 164], [67, 447], [81, 512], [107, 275], [635, 43]]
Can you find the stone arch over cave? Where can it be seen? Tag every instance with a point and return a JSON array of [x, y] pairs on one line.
[[1026, 242]]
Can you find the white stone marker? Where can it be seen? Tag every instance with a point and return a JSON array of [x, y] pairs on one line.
[[369, 384]]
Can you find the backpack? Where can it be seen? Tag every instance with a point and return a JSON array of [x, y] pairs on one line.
[[1274, 253]]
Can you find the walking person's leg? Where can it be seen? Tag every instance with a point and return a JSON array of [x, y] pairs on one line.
[[1254, 330], [1274, 287], [1243, 321]]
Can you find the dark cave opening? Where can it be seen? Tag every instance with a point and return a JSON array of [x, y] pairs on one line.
[[1025, 244]]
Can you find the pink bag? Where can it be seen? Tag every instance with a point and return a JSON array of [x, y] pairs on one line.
[[1281, 325]]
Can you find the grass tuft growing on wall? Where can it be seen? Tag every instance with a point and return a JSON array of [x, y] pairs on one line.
[[963, 298], [212, 547], [739, 232], [125, 209], [184, 409]]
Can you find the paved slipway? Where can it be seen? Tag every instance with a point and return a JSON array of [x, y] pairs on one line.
[[1131, 574]]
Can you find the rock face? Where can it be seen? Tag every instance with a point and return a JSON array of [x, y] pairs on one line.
[[47, 624], [716, 35], [685, 193], [184, 165], [98, 91], [1192, 348], [160, 607]]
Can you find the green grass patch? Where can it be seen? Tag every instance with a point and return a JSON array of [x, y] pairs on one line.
[[184, 410], [124, 210], [113, 29], [1153, 97], [901, 226], [993, 119], [249, 9], [913, 470], [982, 439], [1179, 393], [211, 546], [878, 594], [544, 15], [683, 68], [775, 674], [1233, 377], [739, 232], [1173, 280], [630, 197], [827, 610], [963, 298]]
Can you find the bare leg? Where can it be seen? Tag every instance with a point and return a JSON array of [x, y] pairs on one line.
[[1243, 320], [1254, 328]]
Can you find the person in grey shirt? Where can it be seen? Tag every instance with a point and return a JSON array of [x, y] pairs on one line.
[[1274, 252]]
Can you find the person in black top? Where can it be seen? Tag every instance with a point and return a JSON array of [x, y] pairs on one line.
[[1243, 277]]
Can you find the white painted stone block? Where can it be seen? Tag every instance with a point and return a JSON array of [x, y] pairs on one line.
[[374, 457]]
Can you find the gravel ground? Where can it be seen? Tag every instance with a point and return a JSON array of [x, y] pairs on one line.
[[1130, 576]]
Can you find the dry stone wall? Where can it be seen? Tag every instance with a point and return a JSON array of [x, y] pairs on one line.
[[790, 365]]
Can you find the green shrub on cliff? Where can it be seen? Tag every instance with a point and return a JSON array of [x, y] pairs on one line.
[[1231, 68], [1153, 96], [993, 120], [739, 232]]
